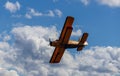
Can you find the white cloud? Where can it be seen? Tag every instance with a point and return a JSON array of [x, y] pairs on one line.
[[58, 12], [55, 1], [53, 13], [31, 12], [85, 2], [4, 72], [111, 3], [12, 7], [16, 16], [4, 45], [50, 13], [77, 33], [28, 16], [31, 48], [4, 36]]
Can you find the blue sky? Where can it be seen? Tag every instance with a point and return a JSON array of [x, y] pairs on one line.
[[100, 20], [25, 27]]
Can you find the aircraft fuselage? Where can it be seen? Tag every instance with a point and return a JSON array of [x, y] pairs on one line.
[[70, 44]]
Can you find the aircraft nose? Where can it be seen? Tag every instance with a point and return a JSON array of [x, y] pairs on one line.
[[50, 43]]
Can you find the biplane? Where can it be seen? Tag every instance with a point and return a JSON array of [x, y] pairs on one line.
[[63, 42]]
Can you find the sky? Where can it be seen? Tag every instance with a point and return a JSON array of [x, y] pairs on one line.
[[25, 29]]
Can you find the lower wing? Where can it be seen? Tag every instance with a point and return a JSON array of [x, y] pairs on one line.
[[58, 52], [57, 55]]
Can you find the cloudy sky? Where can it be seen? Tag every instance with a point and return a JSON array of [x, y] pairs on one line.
[[26, 26]]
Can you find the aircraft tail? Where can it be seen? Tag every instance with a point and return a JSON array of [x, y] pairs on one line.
[[82, 41]]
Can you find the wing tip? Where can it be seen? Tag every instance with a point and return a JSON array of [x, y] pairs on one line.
[[53, 62], [70, 17], [85, 33]]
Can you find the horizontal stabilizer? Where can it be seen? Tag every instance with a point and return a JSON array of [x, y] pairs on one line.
[[82, 41]]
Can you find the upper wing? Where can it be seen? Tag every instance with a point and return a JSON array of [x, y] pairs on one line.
[[68, 23], [59, 51], [64, 38], [82, 41]]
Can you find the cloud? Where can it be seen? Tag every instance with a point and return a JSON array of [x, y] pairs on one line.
[[50, 13], [4, 72], [55, 1], [85, 2], [54, 13], [58, 12], [77, 33], [12, 7], [4, 36], [29, 55], [16, 16], [110, 3], [31, 12]]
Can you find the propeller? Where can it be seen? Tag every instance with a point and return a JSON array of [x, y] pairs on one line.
[[50, 41]]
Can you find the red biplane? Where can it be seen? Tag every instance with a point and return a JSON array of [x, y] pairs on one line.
[[64, 42]]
